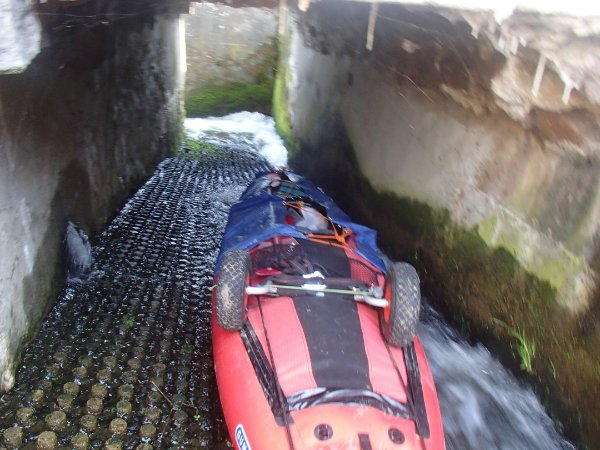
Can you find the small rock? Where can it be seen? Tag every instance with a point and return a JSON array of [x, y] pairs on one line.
[[129, 376], [46, 385], [134, 363], [99, 391], [80, 373], [176, 437], [53, 371], [94, 405], [113, 444], [187, 349], [89, 422], [104, 376], [60, 358], [124, 408], [71, 388], [25, 417], [137, 352], [13, 437], [159, 368], [153, 398], [110, 362], [179, 418], [157, 382], [126, 391], [56, 420], [144, 447], [152, 414], [118, 427], [47, 440], [147, 432], [65, 402], [178, 400], [36, 397], [80, 441], [85, 361]]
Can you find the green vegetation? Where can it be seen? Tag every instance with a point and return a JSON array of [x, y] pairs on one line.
[[551, 263], [281, 113], [128, 320], [194, 148], [525, 348], [221, 100]]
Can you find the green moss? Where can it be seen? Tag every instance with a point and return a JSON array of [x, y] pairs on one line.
[[281, 113], [195, 149], [537, 253], [220, 100], [267, 54], [480, 287]]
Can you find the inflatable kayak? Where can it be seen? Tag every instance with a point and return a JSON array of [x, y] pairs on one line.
[[314, 334]]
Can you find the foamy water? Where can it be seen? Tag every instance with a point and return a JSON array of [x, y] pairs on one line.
[[244, 130], [483, 405]]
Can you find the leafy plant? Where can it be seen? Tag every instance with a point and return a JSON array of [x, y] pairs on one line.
[[525, 348], [128, 321]]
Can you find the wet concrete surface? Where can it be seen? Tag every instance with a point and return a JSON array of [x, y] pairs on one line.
[[124, 359]]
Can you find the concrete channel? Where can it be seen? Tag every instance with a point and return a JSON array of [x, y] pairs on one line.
[[124, 359]]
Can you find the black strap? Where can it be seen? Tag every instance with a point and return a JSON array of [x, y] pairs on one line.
[[409, 396], [416, 388], [264, 373], [364, 441]]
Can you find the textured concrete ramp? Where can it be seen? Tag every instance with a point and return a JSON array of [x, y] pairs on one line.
[[126, 356]]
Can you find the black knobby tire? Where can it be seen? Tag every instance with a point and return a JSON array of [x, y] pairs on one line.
[[405, 304], [231, 289]]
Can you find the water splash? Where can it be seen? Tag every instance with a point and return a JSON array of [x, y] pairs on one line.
[[483, 405], [241, 130], [79, 253]]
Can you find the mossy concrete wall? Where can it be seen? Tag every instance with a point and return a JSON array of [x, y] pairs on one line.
[[421, 139], [80, 129], [231, 56]]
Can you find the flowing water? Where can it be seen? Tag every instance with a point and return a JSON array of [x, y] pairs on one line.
[[124, 359], [483, 405]]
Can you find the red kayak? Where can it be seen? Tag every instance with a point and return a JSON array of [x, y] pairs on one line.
[[314, 336]]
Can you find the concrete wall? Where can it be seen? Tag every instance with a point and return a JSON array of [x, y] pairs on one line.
[[230, 53], [450, 146], [445, 115], [80, 129]]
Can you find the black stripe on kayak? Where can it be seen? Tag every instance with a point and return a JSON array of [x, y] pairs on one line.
[[331, 325], [265, 375], [416, 390], [349, 397], [364, 441]]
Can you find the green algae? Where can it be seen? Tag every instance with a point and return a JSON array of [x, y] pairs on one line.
[[225, 99], [538, 254], [281, 112], [191, 149]]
